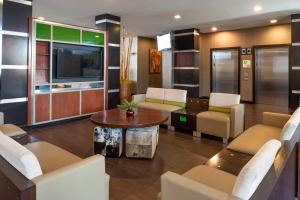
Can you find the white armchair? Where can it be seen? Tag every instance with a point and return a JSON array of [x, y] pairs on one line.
[[206, 183], [10, 129], [224, 119]]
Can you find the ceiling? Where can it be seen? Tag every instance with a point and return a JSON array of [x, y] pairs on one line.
[[151, 17]]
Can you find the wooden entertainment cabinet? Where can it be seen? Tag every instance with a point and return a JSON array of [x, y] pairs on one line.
[[49, 100]]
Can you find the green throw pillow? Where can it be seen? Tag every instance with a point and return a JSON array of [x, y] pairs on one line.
[[175, 103], [154, 100], [219, 109]]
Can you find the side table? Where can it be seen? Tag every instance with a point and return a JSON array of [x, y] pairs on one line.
[[186, 118]]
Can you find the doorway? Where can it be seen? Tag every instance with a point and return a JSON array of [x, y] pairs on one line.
[[225, 70], [272, 75]]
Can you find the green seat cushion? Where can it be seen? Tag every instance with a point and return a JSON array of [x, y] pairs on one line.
[[175, 103], [154, 100], [219, 109]]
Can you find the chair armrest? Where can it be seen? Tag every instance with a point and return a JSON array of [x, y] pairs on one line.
[[1, 118], [177, 187], [275, 119], [82, 180], [137, 98], [237, 119]]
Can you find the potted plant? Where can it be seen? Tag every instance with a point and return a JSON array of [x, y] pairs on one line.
[[125, 83], [129, 106]]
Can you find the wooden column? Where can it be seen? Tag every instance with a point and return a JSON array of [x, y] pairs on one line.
[[295, 63], [111, 24], [186, 61], [14, 60]]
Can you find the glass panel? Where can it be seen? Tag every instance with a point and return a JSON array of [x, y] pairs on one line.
[[95, 38], [225, 75], [43, 31], [272, 77], [66, 34]]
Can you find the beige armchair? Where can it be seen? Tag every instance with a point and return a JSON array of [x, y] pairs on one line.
[[224, 119], [10, 129], [207, 183], [55, 172]]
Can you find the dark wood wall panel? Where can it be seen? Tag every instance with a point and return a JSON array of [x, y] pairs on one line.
[[191, 91], [15, 113], [13, 83], [186, 42], [16, 16], [186, 76], [15, 50], [42, 107], [65, 105], [295, 59], [295, 84], [114, 79], [186, 59], [92, 101], [295, 62], [296, 32], [113, 100], [114, 56]]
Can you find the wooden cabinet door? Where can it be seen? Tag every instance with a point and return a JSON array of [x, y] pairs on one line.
[[92, 101], [42, 108], [66, 104]]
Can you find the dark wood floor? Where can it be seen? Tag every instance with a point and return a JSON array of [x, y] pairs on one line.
[[136, 179]]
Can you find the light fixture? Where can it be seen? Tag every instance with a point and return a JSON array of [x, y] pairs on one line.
[[273, 21], [214, 28], [257, 8], [41, 18], [177, 16]]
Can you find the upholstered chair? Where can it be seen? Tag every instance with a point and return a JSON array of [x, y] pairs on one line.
[[10, 129], [225, 117], [204, 182]]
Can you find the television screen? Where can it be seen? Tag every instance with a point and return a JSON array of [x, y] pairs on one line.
[[164, 42], [77, 63]]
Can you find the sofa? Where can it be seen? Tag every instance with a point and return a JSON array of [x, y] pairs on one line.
[[56, 173], [165, 100], [10, 129], [225, 117], [204, 182], [274, 126]]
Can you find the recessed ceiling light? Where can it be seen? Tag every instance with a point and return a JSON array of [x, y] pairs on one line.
[[257, 8], [177, 16], [273, 21], [214, 28], [41, 18]]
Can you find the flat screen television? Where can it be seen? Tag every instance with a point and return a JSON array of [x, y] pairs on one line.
[[164, 42], [77, 63]]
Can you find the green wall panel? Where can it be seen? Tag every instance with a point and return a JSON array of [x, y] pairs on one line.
[[89, 37], [43, 31], [66, 34]]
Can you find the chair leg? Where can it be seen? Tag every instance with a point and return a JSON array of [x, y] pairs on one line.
[[225, 140], [197, 134]]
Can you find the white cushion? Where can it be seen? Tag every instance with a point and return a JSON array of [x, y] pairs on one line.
[[291, 126], [175, 95], [223, 100], [155, 93], [19, 157], [255, 170]]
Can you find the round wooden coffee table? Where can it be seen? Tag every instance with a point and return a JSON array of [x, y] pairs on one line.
[[116, 118]]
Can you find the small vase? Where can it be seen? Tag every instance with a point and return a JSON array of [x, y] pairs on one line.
[[129, 113]]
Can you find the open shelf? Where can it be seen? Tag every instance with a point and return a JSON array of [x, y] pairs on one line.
[[42, 62]]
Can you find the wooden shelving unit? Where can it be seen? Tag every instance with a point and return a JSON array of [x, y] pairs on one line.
[[49, 101], [42, 62]]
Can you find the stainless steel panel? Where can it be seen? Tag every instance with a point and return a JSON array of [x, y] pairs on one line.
[[225, 75], [272, 76]]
